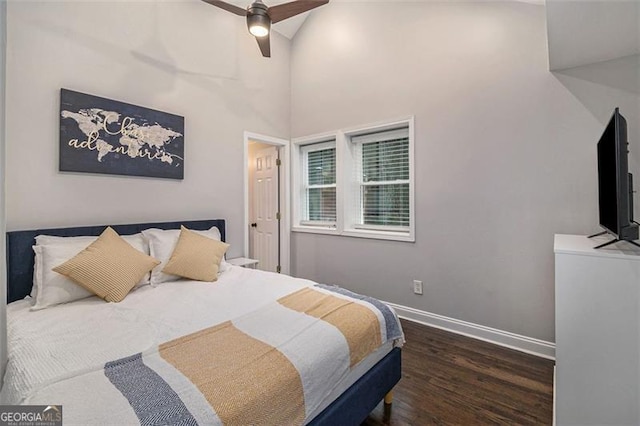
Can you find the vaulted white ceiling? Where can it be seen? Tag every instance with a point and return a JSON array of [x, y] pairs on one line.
[[290, 27], [579, 32], [582, 32]]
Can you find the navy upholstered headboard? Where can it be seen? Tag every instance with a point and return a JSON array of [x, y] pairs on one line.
[[20, 256]]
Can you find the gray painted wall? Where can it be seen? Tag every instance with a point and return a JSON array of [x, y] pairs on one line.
[[187, 58], [505, 152], [603, 84], [585, 32], [3, 294]]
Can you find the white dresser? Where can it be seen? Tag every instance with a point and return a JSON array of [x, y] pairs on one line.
[[597, 332]]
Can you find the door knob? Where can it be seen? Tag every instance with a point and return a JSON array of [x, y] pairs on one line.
[[254, 225]]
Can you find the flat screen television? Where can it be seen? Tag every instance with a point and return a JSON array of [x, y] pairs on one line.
[[615, 183]]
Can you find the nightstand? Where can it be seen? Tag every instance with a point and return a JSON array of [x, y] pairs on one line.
[[245, 262]]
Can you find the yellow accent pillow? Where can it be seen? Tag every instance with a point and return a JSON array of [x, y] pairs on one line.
[[109, 267], [196, 257]]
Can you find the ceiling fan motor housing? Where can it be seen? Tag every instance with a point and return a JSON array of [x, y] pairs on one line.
[[258, 15]]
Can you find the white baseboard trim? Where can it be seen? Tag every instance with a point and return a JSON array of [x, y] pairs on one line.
[[520, 343], [553, 421]]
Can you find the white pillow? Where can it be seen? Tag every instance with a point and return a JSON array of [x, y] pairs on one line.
[[51, 288], [163, 242]]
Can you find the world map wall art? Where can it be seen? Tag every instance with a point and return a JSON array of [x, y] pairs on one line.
[[99, 135]]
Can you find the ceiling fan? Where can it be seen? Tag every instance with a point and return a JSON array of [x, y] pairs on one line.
[[260, 16]]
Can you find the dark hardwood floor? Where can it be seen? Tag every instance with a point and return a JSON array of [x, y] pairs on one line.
[[455, 380]]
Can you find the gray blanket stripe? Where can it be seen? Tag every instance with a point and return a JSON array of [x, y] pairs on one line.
[[152, 399], [391, 323]]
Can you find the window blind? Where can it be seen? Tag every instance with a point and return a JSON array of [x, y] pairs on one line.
[[383, 173], [321, 184]]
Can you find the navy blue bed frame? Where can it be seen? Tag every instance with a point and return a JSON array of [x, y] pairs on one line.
[[351, 408]]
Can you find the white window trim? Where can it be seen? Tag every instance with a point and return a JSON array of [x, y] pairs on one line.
[[346, 187], [364, 134], [300, 146], [304, 151]]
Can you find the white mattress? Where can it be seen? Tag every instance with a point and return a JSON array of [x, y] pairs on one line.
[[48, 345]]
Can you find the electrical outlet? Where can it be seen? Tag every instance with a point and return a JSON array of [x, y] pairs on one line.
[[417, 287]]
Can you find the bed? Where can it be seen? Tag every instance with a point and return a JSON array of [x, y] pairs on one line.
[[86, 355]]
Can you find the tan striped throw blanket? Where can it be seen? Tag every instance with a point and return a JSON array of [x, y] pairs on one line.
[[273, 366]]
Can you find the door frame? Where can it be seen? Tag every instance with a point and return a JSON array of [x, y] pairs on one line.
[[285, 196]]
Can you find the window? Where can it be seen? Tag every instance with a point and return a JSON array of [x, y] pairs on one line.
[[382, 167], [356, 183], [319, 175]]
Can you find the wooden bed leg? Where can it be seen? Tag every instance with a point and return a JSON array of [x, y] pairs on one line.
[[388, 398]]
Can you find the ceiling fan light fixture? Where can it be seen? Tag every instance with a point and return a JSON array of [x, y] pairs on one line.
[[258, 20], [259, 29]]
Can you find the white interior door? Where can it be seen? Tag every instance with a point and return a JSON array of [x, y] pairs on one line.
[[265, 206]]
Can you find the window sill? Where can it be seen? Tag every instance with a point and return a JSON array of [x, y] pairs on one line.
[[379, 235], [357, 233], [316, 230]]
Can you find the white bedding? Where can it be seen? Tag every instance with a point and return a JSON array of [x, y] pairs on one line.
[[48, 345]]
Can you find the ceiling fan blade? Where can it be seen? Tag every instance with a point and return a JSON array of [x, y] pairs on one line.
[[265, 46], [287, 10], [228, 7]]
